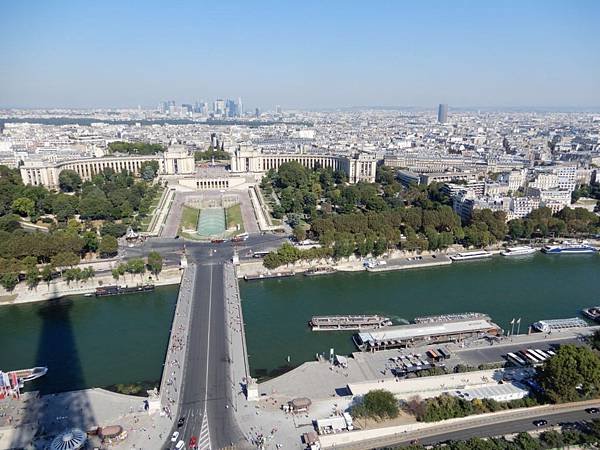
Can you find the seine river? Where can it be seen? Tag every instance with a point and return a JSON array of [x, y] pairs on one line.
[[87, 341], [90, 342], [537, 287]]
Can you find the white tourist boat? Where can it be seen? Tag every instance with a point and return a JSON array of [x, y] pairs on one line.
[[468, 256], [518, 251]]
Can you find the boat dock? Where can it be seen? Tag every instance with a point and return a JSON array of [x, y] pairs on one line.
[[266, 276], [548, 326], [348, 322], [431, 333], [413, 262]]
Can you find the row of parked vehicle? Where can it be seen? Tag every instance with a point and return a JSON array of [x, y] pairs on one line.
[[416, 362]]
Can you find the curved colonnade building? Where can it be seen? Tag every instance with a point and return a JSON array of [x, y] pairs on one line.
[[176, 160], [358, 167], [245, 160]]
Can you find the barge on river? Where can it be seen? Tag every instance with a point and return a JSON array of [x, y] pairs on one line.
[[266, 276], [548, 326], [347, 322], [119, 290]]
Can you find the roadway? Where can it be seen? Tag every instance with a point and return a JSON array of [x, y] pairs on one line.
[[514, 426], [487, 426], [171, 249], [206, 393]]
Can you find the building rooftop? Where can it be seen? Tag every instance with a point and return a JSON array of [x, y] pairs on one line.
[[406, 332]]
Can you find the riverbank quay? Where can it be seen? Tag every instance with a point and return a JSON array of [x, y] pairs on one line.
[[172, 376], [392, 260], [395, 260], [321, 380], [327, 385], [33, 421], [60, 288]]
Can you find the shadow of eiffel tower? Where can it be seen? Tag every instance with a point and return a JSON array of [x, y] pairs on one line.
[[53, 413]]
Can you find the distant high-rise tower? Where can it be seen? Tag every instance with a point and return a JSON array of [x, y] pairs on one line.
[[240, 107], [443, 113]]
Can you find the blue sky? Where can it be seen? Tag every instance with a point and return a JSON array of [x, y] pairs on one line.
[[305, 54]]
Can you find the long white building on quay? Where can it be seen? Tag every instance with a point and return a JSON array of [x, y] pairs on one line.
[[434, 332]]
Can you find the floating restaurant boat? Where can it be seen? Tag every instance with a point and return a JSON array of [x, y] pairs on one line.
[[592, 313], [468, 256], [518, 251], [548, 326], [348, 322], [118, 290]]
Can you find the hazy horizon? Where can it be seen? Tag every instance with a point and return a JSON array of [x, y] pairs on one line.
[[307, 56]]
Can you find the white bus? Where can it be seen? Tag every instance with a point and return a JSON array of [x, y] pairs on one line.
[[515, 359], [535, 359], [542, 353]]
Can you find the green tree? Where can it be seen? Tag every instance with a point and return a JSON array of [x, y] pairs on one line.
[[299, 233], [155, 263], [9, 280], [32, 277], [69, 181], [135, 148], [23, 206], [572, 374], [292, 174], [109, 246], [378, 404], [90, 241], [65, 259], [149, 170], [46, 273], [136, 266]]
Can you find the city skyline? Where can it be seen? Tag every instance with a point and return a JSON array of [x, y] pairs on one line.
[[301, 56]]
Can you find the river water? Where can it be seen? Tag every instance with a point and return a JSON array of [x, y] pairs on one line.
[[95, 342], [87, 341], [536, 287]]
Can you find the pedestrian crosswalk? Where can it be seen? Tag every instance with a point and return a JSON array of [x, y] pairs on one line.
[[204, 437]]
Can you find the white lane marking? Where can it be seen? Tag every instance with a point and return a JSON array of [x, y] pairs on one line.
[[204, 436], [204, 431]]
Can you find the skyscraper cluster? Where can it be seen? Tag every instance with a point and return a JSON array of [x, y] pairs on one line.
[[219, 108]]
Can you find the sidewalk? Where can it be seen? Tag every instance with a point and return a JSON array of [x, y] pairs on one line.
[[172, 375]]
